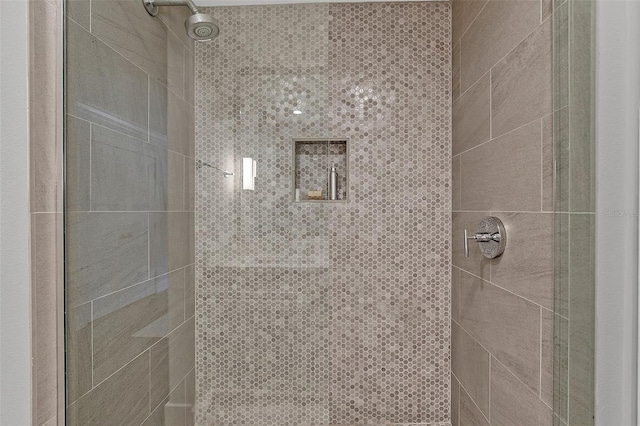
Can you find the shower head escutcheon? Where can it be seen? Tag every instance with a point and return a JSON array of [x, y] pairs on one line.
[[199, 26]]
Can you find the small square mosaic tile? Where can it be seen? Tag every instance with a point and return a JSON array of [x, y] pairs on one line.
[[326, 313]]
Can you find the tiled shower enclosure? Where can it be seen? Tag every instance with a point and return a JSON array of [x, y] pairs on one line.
[[324, 313]]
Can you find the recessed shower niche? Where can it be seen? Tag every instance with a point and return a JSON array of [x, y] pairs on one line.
[[320, 172]]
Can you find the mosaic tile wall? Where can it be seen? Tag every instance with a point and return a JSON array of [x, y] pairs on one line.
[[317, 314]]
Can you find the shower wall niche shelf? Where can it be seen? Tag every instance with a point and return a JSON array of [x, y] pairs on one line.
[[313, 160]]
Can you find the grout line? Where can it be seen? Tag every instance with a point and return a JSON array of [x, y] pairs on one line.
[[148, 246], [93, 385], [490, 104], [489, 396], [491, 138], [475, 18], [149, 109], [510, 51], [540, 378], [541, 162], [90, 161], [495, 285], [484, 211]]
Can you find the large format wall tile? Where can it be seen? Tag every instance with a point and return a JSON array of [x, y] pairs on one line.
[[521, 83], [123, 399], [105, 252], [470, 364], [129, 321], [512, 403], [132, 32], [470, 415], [463, 13], [507, 325], [78, 164], [526, 267], [171, 236], [514, 185], [471, 116], [128, 174], [455, 401], [102, 86], [499, 27], [78, 347], [172, 358]]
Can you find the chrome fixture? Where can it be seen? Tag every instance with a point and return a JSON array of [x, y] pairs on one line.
[[491, 237], [200, 164], [199, 26]]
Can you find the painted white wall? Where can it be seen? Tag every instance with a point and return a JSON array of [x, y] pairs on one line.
[[15, 315], [618, 99], [206, 3]]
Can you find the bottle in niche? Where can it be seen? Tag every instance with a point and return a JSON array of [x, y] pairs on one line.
[[333, 183]]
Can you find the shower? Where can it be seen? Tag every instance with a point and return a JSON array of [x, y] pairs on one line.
[[199, 26]]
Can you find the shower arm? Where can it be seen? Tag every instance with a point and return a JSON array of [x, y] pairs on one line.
[[153, 4]]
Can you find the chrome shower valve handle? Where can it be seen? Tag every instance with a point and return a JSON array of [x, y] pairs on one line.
[[491, 237]]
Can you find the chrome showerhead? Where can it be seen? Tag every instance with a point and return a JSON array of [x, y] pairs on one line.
[[199, 26]]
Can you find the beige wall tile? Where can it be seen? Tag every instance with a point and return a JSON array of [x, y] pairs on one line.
[[172, 359], [455, 292], [105, 252], [455, 72], [96, 90], [463, 13], [526, 266], [190, 397], [455, 401], [189, 291], [562, 155], [515, 185], [123, 399], [470, 415], [521, 83], [455, 183], [180, 130], [171, 411], [128, 174], [128, 29], [189, 184], [79, 11], [470, 364], [129, 321], [476, 263], [175, 64], [499, 27], [512, 403], [171, 241], [471, 117], [189, 77], [176, 182], [507, 325], [174, 18], [158, 115], [547, 8], [78, 164]]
